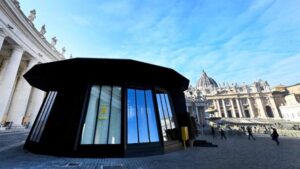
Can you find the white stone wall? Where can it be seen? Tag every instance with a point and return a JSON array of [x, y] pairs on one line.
[[291, 99], [291, 112]]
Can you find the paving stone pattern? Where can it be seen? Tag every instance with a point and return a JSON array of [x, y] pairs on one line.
[[234, 153]]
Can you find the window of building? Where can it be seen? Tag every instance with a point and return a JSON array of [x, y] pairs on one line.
[[244, 101], [141, 120], [229, 113], [269, 111], [226, 102], [103, 119], [166, 116], [247, 114], [43, 117]]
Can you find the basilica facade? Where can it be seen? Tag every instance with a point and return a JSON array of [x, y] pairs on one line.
[[21, 47], [253, 101]]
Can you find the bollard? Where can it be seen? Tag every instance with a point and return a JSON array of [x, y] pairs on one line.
[[184, 135]]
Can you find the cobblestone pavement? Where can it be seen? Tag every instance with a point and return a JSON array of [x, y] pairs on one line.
[[12, 139], [234, 153]]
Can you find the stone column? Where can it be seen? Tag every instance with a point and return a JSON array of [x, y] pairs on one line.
[[219, 109], [36, 99], [196, 111], [260, 107], [215, 104], [242, 108], [20, 98], [232, 107], [274, 108], [239, 107], [2, 37], [2, 68], [250, 107], [9, 77], [224, 108]]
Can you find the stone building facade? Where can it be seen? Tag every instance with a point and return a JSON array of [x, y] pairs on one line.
[[22, 46], [254, 101]]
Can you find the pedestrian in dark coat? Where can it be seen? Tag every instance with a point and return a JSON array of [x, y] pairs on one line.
[[223, 134], [275, 136], [213, 133], [250, 135]]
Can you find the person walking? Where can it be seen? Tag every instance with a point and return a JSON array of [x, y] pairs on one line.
[[275, 136], [213, 133], [223, 134], [250, 135]]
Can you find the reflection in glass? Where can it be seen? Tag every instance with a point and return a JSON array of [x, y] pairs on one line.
[[103, 116], [115, 117], [151, 117], [162, 117], [169, 111], [104, 107], [165, 111], [90, 120], [142, 116], [142, 125], [166, 116], [131, 117]]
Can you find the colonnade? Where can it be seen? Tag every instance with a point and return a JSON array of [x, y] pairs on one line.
[[19, 102]]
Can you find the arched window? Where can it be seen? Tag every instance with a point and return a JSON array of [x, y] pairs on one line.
[[269, 111], [247, 114]]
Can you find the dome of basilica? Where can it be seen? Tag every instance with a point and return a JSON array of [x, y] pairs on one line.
[[206, 82]]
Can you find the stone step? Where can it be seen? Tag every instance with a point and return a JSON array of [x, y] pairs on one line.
[[203, 143]]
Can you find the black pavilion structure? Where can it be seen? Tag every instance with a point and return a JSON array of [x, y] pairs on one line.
[[107, 108]]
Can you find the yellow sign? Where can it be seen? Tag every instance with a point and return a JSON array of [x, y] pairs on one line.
[[103, 109], [103, 115]]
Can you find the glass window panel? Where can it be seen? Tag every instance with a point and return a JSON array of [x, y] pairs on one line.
[[162, 118], [90, 120], [169, 111], [103, 116], [151, 117], [46, 117], [165, 111], [40, 116], [132, 136], [115, 117], [142, 116]]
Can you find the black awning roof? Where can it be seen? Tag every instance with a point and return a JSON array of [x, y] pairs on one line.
[[80, 71]]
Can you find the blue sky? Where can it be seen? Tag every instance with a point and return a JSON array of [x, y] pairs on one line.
[[233, 41]]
